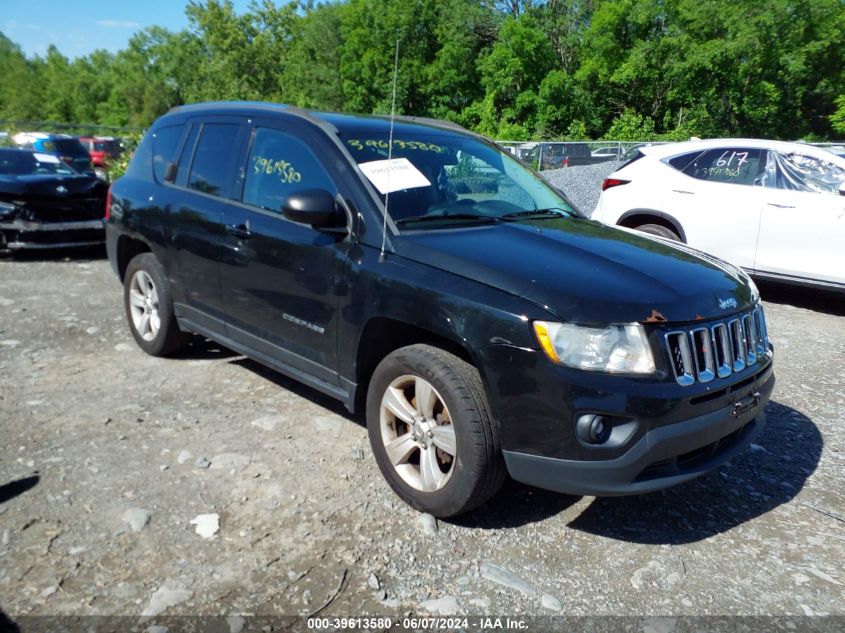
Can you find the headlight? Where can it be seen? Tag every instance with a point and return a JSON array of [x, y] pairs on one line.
[[620, 349]]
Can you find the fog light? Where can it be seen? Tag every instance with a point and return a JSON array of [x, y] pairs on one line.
[[592, 429]]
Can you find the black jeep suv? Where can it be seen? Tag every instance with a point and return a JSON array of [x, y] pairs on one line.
[[418, 272]]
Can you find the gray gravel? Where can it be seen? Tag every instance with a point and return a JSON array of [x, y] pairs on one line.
[[87, 423], [582, 184]]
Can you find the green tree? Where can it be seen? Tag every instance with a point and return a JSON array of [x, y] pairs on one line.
[[370, 30], [19, 99], [511, 74], [837, 119], [311, 74]]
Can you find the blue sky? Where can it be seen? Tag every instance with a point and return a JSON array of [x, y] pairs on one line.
[[78, 27]]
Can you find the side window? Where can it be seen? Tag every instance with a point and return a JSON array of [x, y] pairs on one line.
[[734, 165], [683, 161], [141, 163], [278, 165], [165, 142], [212, 168], [802, 173]]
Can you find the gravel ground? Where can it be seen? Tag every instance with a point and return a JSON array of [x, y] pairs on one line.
[[205, 484], [582, 184]]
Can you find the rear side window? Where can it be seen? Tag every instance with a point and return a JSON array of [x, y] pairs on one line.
[[733, 165], [279, 165], [213, 165], [165, 144], [141, 164], [684, 160]]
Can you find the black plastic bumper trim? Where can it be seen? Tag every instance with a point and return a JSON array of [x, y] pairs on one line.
[[618, 477]]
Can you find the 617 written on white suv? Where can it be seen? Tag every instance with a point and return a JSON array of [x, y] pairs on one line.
[[775, 208]]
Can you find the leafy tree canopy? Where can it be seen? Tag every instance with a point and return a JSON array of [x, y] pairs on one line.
[[627, 69]]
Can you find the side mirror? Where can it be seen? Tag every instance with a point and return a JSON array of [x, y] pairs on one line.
[[316, 207], [170, 172]]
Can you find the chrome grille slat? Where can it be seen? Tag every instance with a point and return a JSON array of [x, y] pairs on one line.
[[703, 354], [718, 350], [750, 340], [681, 357], [737, 344], [722, 350]]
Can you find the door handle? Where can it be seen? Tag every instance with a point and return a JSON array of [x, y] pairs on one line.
[[682, 191], [781, 206], [239, 230]]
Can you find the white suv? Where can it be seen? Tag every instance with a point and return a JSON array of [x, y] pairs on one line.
[[777, 209]]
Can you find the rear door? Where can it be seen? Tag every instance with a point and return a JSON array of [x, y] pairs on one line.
[[803, 225], [208, 171], [717, 199], [280, 279]]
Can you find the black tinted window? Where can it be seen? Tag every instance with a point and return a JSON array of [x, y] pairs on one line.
[[214, 159], [735, 165], [165, 142], [279, 165], [683, 161], [141, 163]]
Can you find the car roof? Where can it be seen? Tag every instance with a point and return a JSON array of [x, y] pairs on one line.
[[674, 149], [329, 121]]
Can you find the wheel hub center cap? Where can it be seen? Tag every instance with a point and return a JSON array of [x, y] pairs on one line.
[[421, 431]]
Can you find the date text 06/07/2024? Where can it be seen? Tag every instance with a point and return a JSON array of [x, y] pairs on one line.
[[416, 623]]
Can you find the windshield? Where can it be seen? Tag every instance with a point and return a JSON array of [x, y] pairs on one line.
[[453, 178], [22, 163]]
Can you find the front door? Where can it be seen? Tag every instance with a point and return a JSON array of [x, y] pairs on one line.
[[803, 224], [279, 278]]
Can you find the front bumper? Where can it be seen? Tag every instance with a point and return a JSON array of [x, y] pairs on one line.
[[665, 456], [27, 235], [679, 432]]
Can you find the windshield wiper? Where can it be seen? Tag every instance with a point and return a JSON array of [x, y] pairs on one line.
[[451, 216], [539, 213]]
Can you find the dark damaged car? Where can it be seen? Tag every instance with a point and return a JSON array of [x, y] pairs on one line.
[[421, 275], [45, 203]]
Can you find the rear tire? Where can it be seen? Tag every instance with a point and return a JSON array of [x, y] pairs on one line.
[[660, 230], [149, 307], [431, 433]]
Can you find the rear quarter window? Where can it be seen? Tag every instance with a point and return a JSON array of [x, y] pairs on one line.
[[141, 164], [165, 144]]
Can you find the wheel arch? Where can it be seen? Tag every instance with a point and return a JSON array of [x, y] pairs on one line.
[[382, 335], [127, 249], [636, 217]]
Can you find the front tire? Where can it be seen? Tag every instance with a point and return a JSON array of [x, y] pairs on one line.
[[149, 307], [431, 433]]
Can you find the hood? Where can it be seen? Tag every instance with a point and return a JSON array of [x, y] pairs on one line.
[[47, 185], [585, 272]]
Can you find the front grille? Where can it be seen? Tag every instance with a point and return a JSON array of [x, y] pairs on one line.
[[718, 349]]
